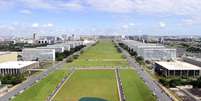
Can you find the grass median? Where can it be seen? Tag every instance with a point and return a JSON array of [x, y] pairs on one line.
[[134, 87], [41, 90], [89, 85], [104, 53]]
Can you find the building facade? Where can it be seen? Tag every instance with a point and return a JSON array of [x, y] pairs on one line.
[[57, 49], [17, 67], [35, 54], [151, 51], [177, 68]]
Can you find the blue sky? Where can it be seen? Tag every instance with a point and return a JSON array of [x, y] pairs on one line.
[[118, 17]]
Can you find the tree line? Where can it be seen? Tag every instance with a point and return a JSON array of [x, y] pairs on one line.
[[61, 56]]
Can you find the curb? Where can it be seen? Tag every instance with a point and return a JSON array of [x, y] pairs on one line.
[[60, 85], [120, 87]]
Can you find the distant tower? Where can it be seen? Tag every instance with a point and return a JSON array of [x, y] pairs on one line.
[[34, 36], [161, 40]]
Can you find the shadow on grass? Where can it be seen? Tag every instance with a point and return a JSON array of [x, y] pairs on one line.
[[91, 99]]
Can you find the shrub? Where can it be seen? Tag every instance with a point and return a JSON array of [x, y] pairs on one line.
[[59, 56], [139, 58], [164, 81], [69, 60], [196, 83], [75, 56], [12, 79], [175, 82], [133, 53], [81, 52], [148, 62]]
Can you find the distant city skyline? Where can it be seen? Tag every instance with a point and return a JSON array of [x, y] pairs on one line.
[[95, 17]]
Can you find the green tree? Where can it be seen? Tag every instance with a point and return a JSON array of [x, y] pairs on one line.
[[59, 56], [197, 83]]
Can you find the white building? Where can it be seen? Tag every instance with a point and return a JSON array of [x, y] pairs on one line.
[[151, 51], [74, 44], [66, 46], [57, 48], [17, 67], [177, 68], [46, 40], [158, 54], [30, 54], [86, 42]]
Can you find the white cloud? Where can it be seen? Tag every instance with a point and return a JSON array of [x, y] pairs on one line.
[[164, 7], [162, 24], [25, 11], [51, 4], [35, 25], [72, 6], [187, 10], [28, 29], [125, 26], [178, 7], [131, 24], [117, 6], [48, 25], [6, 4], [128, 25], [36, 4]]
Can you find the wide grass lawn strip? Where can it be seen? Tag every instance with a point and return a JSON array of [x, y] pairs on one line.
[[41, 90], [134, 87], [104, 53], [89, 85]]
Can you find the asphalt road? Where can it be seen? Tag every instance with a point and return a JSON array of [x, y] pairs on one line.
[[28, 83], [161, 95], [34, 79]]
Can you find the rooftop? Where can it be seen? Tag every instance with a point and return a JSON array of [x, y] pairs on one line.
[[15, 64], [48, 47], [136, 44], [36, 49], [3, 53], [194, 58], [178, 65]]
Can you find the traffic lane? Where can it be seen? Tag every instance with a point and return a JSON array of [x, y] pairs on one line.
[[28, 83], [153, 86], [150, 83], [22, 87], [156, 90]]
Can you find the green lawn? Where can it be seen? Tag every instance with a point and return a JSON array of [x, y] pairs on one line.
[[91, 85], [134, 87], [102, 54], [41, 90], [86, 84]]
